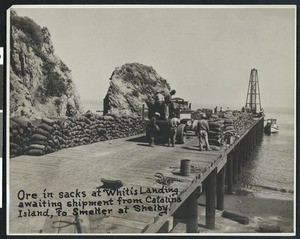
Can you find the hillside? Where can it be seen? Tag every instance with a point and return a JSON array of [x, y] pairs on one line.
[[131, 86], [40, 82]]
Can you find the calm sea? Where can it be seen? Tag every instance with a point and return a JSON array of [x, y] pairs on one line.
[[272, 161], [92, 105]]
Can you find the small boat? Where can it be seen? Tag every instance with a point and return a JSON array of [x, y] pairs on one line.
[[271, 126]]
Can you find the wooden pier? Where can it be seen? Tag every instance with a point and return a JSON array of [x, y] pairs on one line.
[[134, 165]]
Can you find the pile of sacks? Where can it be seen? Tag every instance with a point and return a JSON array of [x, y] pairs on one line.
[[243, 123], [41, 141], [229, 131], [226, 130], [215, 134], [196, 115], [235, 125], [50, 135], [20, 131]]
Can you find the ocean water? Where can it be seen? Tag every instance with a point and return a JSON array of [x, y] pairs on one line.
[[92, 105], [272, 161]]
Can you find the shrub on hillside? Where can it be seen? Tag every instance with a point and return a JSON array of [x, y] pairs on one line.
[[55, 85], [30, 28], [135, 93]]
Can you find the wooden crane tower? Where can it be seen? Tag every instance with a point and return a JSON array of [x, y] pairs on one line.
[[253, 94]]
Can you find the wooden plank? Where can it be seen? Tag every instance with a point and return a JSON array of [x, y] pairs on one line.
[[85, 223], [145, 217], [51, 225], [119, 229], [48, 163], [36, 168], [67, 225], [14, 171], [124, 222], [96, 224], [168, 226], [114, 225]]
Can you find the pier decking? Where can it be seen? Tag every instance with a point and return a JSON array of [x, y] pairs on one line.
[[131, 161]]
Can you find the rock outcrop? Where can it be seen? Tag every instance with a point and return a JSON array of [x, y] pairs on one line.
[[40, 83], [131, 86]]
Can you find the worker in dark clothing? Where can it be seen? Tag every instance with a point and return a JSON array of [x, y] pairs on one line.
[[152, 130], [216, 110], [169, 104], [202, 130]]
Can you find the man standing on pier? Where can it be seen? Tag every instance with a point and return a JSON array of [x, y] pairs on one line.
[[202, 130], [152, 129], [173, 124], [169, 107]]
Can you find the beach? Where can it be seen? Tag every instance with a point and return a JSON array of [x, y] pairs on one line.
[[273, 209]]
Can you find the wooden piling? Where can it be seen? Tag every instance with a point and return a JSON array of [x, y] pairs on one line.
[[235, 164], [249, 145], [192, 213], [245, 147], [250, 139], [211, 200], [220, 189], [258, 132], [229, 167], [254, 136], [240, 157], [188, 212], [243, 152]]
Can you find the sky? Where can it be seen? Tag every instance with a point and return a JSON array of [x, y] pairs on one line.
[[206, 54]]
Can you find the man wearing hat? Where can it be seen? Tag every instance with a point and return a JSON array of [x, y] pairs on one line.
[[202, 130]]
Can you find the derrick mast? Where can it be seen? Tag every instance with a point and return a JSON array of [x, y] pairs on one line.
[[253, 94]]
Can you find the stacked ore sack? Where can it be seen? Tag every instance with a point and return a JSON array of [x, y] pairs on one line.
[[243, 123], [20, 131], [55, 134], [229, 131], [215, 134], [41, 140], [196, 115], [225, 130]]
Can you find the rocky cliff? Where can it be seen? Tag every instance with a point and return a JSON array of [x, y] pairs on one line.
[[131, 86], [40, 83]]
